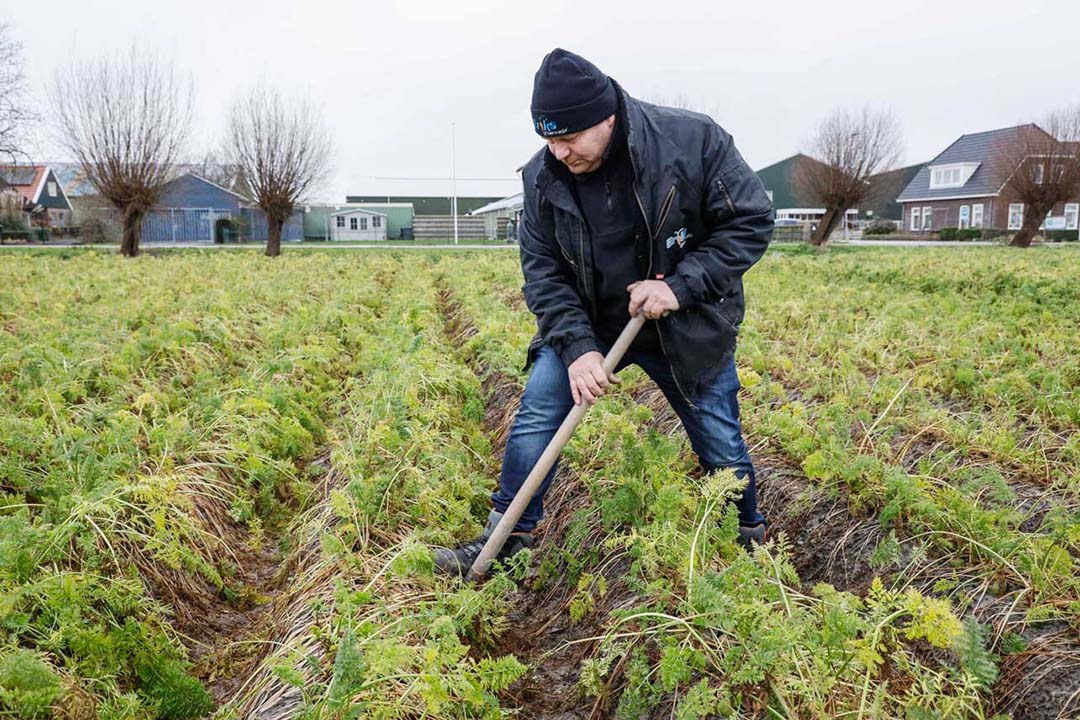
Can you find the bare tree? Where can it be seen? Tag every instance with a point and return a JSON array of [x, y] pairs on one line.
[[850, 149], [282, 150], [213, 167], [1039, 166], [17, 115], [126, 121]]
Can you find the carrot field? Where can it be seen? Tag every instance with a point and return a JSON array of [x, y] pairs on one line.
[[221, 476]]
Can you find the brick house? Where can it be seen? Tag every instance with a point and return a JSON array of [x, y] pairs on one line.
[[962, 188]]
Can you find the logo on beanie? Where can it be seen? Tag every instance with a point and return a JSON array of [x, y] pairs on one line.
[[547, 128]]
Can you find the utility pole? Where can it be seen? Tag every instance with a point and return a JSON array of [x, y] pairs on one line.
[[453, 177]]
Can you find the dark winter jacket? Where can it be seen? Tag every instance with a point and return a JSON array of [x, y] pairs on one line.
[[707, 220]]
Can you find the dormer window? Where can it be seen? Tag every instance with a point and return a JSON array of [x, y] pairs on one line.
[[951, 176]]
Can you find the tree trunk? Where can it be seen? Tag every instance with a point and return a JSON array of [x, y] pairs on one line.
[[132, 221], [273, 236], [828, 223], [1033, 218]]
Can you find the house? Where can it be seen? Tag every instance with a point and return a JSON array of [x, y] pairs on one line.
[[962, 187], [357, 224], [318, 220], [499, 213], [42, 196]]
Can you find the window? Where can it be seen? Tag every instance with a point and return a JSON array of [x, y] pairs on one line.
[[376, 221], [977, 215], [928, 218], [352, 223], [945, 177], [1040, 171], [1072, 213], [915, 225], [52, 189], [955, 175], [965, 216], [340, 221], [1016, 215], [363, 223]]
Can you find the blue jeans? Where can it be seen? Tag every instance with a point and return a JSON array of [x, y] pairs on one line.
[[712, 425]]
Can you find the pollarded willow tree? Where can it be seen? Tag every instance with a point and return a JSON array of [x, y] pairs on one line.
[[282, 150], [125, 119], [1038, 166], [850, 148]]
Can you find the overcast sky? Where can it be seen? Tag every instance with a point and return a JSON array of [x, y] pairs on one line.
[[392, 77]]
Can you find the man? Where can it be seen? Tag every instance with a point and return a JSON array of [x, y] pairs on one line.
[[630, 208]]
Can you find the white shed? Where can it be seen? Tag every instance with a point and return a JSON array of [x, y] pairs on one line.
[[357, 224]]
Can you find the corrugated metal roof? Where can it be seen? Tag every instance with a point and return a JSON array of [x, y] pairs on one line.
[[974, 148], [516, 200]]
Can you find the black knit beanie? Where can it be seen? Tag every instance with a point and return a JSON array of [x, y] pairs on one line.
[[570, 94]]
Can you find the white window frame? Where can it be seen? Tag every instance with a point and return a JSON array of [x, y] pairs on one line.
[[340, 221], [916, 222], [1019, 216], [965, 217], [363, 223], [352, 223], [953, 175], [977, 215], [1040, 173], [927, 218], [1072, 216], [52, 188], [376, 221]]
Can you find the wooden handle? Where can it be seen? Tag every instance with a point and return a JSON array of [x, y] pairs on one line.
[[547, 460]]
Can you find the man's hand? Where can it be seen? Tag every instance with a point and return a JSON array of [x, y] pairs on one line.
[[652, 297], [588, 379]]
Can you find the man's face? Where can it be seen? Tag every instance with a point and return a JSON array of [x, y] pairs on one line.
[[583, 151]]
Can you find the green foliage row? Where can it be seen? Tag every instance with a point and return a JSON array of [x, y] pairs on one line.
[[725, 632], [138, 400]]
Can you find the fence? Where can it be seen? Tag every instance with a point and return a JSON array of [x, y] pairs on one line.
[[182, 224], [199, 225]]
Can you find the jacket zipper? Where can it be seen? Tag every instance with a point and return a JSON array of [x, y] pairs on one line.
[[727, 195], [659, 334], [581, 251]]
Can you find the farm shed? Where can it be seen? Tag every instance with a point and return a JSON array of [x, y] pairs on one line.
[[317, 218], [497, 214], [194, 209], [357, 224]]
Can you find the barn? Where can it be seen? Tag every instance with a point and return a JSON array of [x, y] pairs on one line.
[[194, 209]]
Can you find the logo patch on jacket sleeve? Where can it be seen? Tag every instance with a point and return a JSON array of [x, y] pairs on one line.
[[678, 238]]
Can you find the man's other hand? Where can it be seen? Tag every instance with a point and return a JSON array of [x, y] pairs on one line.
[[588, 379], [652, 297]]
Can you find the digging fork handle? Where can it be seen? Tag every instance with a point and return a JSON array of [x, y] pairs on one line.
[[551, 453]]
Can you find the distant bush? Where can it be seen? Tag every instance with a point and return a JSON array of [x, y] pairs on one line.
[[98, 228], [952, 234], [1060, 235], [880, 228]]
